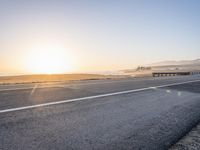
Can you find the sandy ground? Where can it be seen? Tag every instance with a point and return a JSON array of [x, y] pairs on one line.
[[54, 78]]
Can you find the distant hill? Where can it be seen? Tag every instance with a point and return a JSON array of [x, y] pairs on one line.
[[176, 63]]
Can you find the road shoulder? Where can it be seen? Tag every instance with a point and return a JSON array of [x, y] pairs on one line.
[[189, 142]]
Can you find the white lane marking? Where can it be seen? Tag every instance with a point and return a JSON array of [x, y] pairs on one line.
[[34, 88], [93, 97]]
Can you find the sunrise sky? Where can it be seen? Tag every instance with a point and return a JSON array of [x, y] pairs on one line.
[[65, 36]]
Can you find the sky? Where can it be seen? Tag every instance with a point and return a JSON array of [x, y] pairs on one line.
[[95, 35]]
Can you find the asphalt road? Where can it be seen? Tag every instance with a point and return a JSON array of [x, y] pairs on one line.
[[101, 115]]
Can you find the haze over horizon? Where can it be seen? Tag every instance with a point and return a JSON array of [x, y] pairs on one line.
[[64, 36]]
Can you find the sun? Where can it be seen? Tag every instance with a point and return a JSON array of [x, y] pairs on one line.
[[48, 60]]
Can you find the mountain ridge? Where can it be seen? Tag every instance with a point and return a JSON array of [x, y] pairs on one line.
[[173, 63]]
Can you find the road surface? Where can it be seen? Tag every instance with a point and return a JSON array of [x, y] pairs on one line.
[[149, 113]]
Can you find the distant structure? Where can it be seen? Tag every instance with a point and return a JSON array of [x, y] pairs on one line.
[[174, 73], [141, 68]]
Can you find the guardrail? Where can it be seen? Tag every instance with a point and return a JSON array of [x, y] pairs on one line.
[[160, 74]]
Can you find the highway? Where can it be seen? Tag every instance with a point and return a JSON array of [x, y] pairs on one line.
[[143, 113]]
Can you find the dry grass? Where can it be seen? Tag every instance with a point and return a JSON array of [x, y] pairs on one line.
[[54, 78]]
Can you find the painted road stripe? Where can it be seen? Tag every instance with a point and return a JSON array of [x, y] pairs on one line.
[[93, 97]]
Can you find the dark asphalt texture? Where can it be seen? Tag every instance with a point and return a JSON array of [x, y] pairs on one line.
[[151, 119]]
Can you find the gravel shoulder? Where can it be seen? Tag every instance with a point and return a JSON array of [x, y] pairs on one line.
[[189, 142]]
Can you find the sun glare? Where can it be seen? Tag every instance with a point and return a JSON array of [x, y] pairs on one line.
[[48, 60]]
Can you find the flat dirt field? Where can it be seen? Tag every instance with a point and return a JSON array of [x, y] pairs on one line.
[[54, 78]]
